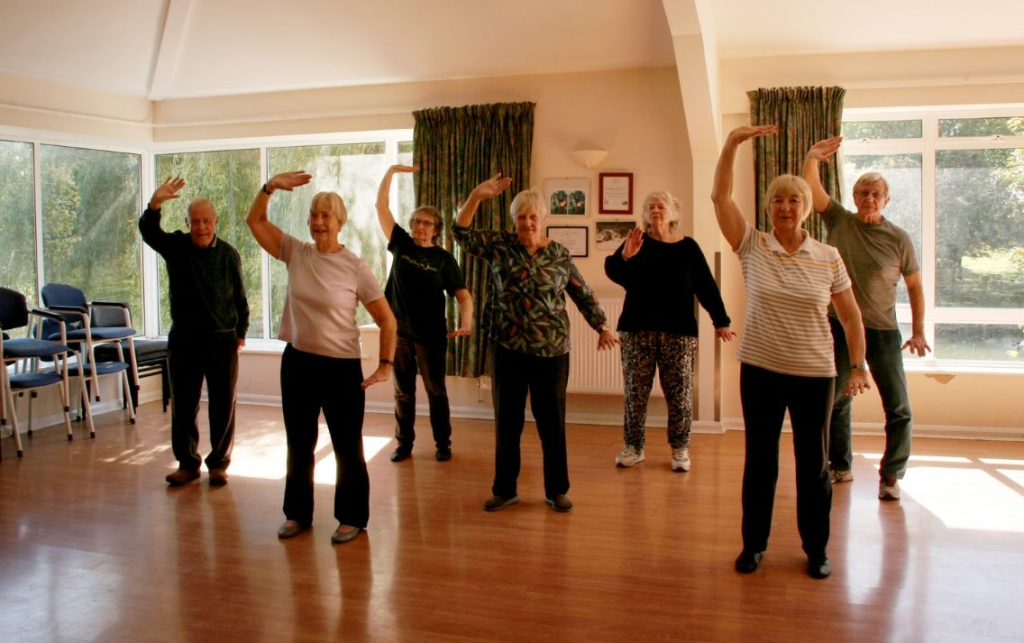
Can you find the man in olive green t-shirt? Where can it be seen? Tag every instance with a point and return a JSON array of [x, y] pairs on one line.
[[877, 253]]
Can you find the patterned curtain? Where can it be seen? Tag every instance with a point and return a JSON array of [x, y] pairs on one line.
[[457, 148], [805, 115]]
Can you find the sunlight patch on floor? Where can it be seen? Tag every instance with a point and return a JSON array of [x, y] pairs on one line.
[[266, 457], [967, 498], [1002, 462], [326, 468], [952, 459]]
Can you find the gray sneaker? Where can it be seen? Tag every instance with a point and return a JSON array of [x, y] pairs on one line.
[[630, 456], [841, 475]]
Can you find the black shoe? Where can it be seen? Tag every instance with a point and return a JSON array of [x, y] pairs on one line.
[[400, 454], [819, 568], [497, 503], [748, 561], [443, 454]]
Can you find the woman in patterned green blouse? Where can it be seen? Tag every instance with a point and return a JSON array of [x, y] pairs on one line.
[[529, 329]]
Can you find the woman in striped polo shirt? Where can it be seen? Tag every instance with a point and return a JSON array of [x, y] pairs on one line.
[[786, 354]]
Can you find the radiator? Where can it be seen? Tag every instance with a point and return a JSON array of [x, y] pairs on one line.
[[591, 370]]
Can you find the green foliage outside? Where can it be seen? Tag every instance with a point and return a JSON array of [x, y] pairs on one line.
[[881, 129], [230, 180], [17, 220], [90, 218]]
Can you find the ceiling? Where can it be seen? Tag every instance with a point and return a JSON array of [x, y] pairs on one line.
[[185, 48]]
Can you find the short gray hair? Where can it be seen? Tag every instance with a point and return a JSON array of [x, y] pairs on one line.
[[527, 198], [673, 209], [871, 177], [334, 203], [790, 184]]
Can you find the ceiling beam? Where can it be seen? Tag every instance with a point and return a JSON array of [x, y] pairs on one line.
[[165, 62]]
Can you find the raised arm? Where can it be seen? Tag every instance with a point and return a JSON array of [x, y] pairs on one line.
[[853, 327], [820, 152], [730, 219], [385, 319], [267, 234], [384, 215], [492, 187], [149, 224]]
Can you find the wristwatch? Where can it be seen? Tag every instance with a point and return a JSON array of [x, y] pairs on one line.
[[863, 366]]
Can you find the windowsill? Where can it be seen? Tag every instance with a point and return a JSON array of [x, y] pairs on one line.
[[950, 367]]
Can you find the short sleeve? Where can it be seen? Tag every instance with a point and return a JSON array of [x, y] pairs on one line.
[[840, 278], [453, 276], [400, 240], [749, 239], [908, 256], [289, 246], [367, 288]]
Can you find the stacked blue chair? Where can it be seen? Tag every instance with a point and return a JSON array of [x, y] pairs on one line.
[[22, 356], [83, 335]]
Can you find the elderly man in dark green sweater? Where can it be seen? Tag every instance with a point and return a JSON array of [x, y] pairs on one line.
[[209, 319]]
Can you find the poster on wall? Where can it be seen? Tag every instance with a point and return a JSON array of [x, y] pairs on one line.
[[615, 193], [574, 238], [567, 196]]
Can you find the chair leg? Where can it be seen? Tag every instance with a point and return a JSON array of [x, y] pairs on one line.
[[131, 407], [65, 394], [13, 413]]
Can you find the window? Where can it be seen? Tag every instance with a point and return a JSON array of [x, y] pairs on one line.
[[229, 179], [90, 210], [17, 219], [957, 186]]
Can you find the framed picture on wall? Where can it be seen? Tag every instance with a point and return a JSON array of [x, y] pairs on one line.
[[576, 238], [567, 196], [615, 193], [610, 234]]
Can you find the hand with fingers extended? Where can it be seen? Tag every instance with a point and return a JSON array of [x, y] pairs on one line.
[[403, 169], [917, 345], [168, 190], [857, 383], [634, 240], [607, 340], [461, 332], [382, 374], [288, 181], [822, 151], [747, 132], [492, 187], [725, 334]]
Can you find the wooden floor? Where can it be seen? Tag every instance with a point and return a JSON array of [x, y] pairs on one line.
[[95, 547]]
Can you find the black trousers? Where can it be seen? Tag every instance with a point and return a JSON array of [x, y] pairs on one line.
[[513, 375], [190, 360], [410, 357], [765, 396], [311, 383]]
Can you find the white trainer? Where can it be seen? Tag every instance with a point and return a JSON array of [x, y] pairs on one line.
[[681, 459], [629, 457], [888, 489]]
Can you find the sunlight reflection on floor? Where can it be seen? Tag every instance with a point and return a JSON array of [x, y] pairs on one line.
[[969, 494], [265, 456]]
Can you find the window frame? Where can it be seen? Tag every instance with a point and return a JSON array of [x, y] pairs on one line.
[[928, 146]]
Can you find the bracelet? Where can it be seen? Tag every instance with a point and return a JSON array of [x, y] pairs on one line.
[[385, 361], [265, 190]]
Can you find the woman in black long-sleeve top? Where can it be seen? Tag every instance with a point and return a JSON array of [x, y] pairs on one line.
[[661, 271]]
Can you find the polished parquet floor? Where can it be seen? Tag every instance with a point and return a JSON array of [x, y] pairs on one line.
[[95, 547]]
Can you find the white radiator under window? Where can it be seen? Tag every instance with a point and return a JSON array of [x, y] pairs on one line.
[[591, 370]]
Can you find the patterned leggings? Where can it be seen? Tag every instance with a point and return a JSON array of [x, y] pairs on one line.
[[674, 356]]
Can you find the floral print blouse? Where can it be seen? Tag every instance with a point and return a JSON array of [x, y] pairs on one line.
[[528, 292]]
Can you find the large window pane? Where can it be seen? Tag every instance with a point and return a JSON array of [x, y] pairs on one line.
[[903, 174], [882, 129], [993, 342], [230, 180], [979, 228], [90, 223], [354, 171], [1002, 126], [17, 220]]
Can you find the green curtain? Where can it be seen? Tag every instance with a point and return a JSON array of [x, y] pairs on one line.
[[805, 115], [457, 148]]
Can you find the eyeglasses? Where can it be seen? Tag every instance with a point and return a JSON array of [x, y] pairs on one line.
[[870, 193], [426, 222]]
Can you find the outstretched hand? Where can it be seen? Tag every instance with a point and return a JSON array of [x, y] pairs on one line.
[[404, 169], [462, 332], [634, 240], [382, 374], [823, 150], [857, 383], [491, 187], [741, 134], [607, 340], [725, 333], [288, 181], [168, 190]]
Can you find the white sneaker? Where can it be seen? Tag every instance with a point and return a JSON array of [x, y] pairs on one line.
[[629, 456], [888, 489], [681, 459]]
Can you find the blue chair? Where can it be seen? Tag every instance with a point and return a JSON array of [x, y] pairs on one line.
[[83, 335], [24, 355]]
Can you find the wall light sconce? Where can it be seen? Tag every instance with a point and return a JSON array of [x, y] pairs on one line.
[[589, 158]]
